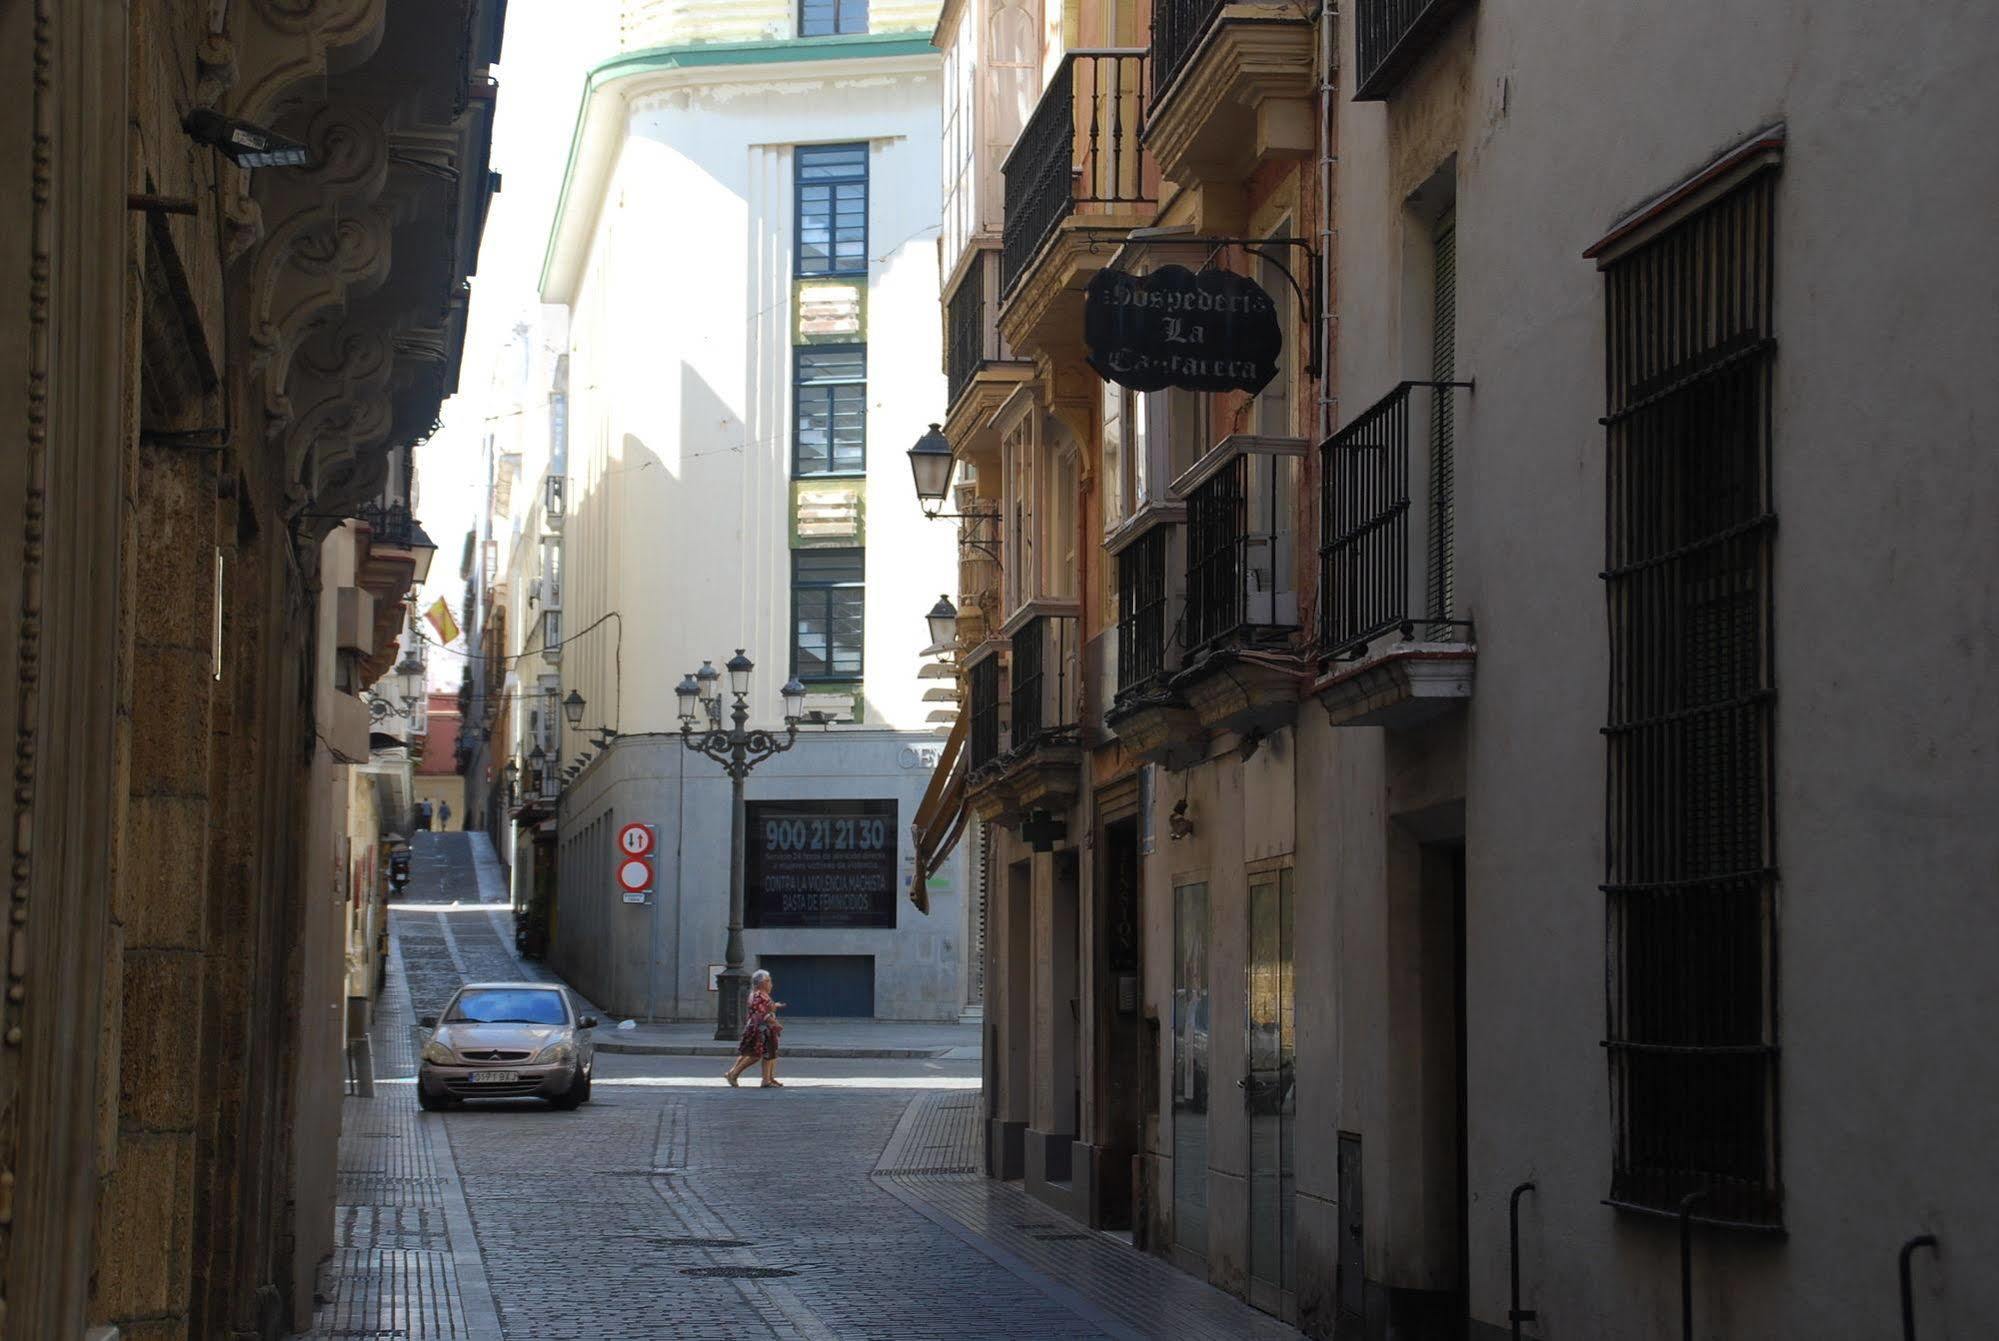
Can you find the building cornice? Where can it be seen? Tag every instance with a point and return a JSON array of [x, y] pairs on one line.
[[610, 88]]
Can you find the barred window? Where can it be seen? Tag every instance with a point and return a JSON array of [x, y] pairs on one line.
[[830, 410], [824, 18], [832, 209], [827, 606], [1691, 859]]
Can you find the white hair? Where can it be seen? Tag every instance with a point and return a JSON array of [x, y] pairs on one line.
[[760, 977]]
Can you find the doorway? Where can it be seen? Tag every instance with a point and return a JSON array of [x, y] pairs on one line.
[[1269, 1094], [1120, 1052], [824, 986], [1190, 1069]]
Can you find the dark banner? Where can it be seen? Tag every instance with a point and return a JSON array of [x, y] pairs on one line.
[[1215, 331], [819, 864]]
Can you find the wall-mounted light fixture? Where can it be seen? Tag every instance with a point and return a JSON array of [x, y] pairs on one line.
[[244, 144]]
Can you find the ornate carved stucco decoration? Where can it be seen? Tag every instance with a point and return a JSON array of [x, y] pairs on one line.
[[332, 241], [284, 47], [340, 384]]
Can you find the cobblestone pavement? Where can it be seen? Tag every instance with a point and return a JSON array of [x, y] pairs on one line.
[[844, 1206]]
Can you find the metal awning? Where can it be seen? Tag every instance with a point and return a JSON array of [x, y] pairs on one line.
[[940, 816]]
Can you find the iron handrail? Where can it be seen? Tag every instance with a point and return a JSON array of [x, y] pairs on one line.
[[1515, 1314], [1908, 1289]]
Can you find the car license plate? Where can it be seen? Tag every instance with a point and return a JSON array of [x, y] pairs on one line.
[[496, 1077]]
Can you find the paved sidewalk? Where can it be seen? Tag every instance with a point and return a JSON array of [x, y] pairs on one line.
[[931, 1165], [405, 1263]]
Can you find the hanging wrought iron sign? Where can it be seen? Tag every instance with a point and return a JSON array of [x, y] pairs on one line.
[[1211, 331]]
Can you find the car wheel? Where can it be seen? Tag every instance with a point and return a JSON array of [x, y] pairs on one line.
[[430, 1103], [576, 1095]]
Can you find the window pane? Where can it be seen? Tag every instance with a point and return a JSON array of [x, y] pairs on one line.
[[829, 608], [832, 208], [830, 433]]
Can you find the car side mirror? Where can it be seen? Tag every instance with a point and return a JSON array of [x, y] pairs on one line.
[[428, 1022], [587, 1022]]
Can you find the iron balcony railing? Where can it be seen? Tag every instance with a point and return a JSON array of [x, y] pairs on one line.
[[1043, 666], [1236, 554], [984, 734], [971, 325], [1364, 564], [965, 321], [1177, 28], [1079, 149], [1390, 36], [1141, 628]]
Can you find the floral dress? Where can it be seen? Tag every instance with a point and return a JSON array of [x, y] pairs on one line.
[[760, 1034]]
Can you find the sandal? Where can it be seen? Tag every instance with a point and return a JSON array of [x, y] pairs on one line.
[[772, 1085]]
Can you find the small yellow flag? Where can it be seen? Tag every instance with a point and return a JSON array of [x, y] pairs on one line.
[[440, 619]]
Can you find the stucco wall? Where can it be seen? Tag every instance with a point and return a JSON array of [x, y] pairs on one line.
[[1884, 630]]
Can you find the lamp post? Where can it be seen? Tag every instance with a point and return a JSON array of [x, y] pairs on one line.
[[738, 749]]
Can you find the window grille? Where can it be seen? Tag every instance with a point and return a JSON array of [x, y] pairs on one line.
[[827, 605], [1141, 629], [985, 708], [830, 410], [1691, 869], [1443, 419], [826, 18], [832, 209], [1029, 683]]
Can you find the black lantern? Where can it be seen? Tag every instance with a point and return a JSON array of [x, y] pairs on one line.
[[794, 699], [943, 620], [689, 695], [740, 667], [572, 708], [930, 462]]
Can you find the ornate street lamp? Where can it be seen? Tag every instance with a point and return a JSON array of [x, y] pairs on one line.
[[943, 621], [930, 461], [572, 708], [738, 749]]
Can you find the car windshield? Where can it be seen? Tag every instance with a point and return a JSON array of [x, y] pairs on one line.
[[525, 1005]]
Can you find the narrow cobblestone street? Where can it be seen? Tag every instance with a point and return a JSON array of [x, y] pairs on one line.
[[845, 1205]]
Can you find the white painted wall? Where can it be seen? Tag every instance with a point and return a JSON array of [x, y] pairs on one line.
[[680, 244]]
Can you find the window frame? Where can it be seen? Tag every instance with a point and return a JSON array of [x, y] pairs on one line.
[[837, 7], [801, 156], [801, 591], [799, 355]]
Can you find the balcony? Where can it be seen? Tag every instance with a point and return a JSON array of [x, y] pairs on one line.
[[1233, 88], [1149, 719], [980, 371], [1040, 768], [1242, 598], [1077, 175], [1392, 36], [1404, 665], [983, 736]]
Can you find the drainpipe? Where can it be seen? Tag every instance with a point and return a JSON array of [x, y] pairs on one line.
[[1329, 21]]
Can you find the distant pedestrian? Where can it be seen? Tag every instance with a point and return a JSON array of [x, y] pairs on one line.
[[759, 1041], [423, 815], [444, 814]]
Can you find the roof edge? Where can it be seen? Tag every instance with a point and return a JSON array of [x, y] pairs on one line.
[[696, 55]]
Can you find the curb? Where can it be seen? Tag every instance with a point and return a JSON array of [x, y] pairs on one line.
[[802, 1050]]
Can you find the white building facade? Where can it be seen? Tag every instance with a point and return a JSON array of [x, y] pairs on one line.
[[746, 246]]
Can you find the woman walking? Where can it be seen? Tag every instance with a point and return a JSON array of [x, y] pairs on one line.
[[759, 1042]]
